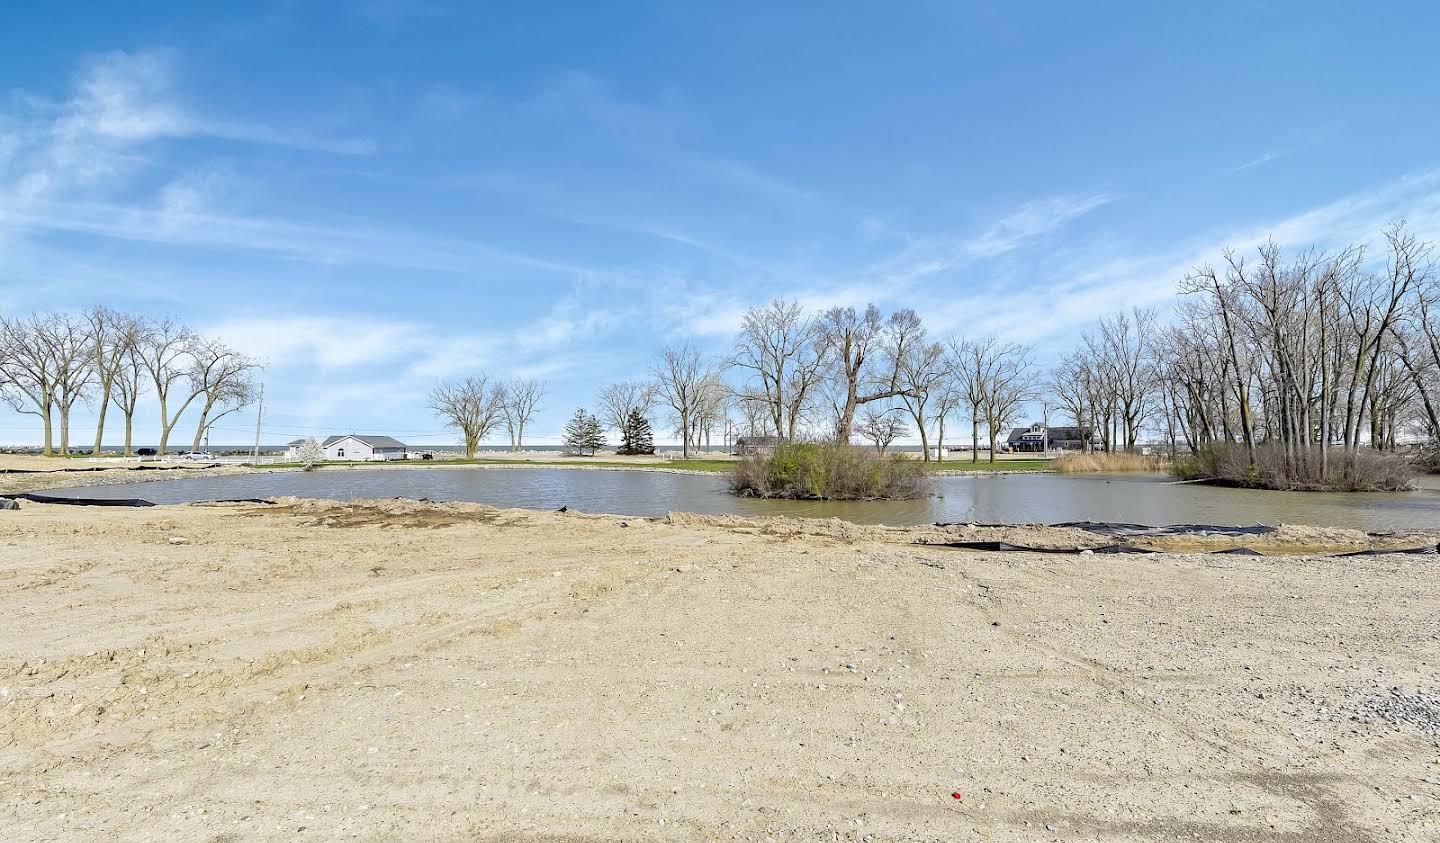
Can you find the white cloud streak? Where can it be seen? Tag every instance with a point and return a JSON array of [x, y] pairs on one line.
[[1032, 220]]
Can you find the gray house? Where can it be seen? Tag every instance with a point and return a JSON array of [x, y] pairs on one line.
[[366, 448], [1033, 438]]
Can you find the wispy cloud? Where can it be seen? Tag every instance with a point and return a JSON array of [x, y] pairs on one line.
[[1254, 162], [1031, 220], [131, 97], [1090, 285]]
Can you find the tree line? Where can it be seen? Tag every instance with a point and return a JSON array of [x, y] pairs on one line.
[[107, 359], [1314, 356]]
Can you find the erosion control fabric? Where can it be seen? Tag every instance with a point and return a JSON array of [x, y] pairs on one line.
[[81, 501]]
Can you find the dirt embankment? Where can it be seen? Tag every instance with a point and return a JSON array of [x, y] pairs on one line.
[[402, 669], [16, 480]]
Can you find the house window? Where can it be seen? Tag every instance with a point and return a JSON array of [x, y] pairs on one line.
[[340, 453]]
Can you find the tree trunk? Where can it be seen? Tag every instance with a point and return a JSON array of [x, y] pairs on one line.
[[164, 427], [974, 439], [129, 430], [100, 420], [847, 419], [200, 429]]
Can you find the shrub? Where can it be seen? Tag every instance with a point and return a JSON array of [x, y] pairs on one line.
[[1099, 462], [826, 471], [310, 454], [1368, 470]]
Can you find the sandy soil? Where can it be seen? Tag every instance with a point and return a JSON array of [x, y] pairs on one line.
[[405, 670]]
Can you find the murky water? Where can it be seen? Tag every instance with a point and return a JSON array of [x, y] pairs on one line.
[[1046, 498]]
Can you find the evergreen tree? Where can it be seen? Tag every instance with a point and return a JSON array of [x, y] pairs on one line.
[[594, 435], [576, 430], [636, 436]]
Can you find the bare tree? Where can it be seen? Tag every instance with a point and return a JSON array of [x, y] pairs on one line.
[[923, 373], [1009, 385], [67, 339], [683, 378], [224, 380], [949, 397], [1069, 386], [28, 375], [167, 352], [619, 400], [880, 427], [752, 418], [128, 379], [711, 408], [112, 340], [779, 347], [853, 349], [519, 401], [471, 405], [973, 363]]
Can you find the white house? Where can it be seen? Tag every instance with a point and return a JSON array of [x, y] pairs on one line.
[[365, 448]]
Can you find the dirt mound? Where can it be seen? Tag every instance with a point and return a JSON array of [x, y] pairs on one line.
[[399, 512]]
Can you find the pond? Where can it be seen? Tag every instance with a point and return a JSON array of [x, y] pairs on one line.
[[1014, 498]]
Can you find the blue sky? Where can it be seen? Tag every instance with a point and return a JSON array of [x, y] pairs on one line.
[[375, 195]]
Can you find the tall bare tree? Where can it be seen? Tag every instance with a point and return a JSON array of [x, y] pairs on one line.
[[167, 351], [112, 339], [923, 374], [67, 337], [1009, 385], [780, 351], [519, 402], [471, 405], [618, 400], [28, 372], [224, 380], [128, 380], [972, 362], [853, 345], [683, 379]]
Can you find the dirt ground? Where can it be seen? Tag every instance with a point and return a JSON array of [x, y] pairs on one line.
[[405, 670]]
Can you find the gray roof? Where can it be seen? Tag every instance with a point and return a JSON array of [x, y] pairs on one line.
[[372, 441], [1056, 433], [297, 442]]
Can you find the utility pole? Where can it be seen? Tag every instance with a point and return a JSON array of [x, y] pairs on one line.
[[259, 412], [1045, 433]]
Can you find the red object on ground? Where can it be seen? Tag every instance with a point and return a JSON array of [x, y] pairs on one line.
[[956, 795]]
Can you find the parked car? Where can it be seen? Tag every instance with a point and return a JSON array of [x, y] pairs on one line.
[[198, 456], [146, 452]]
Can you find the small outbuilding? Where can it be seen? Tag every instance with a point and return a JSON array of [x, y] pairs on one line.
[[364, 448], [747, 445]]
